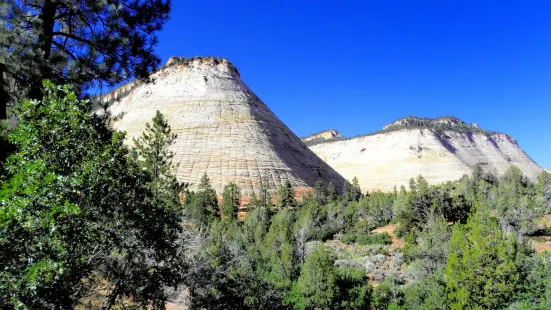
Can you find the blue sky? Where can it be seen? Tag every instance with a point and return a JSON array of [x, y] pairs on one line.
[[357, 65]]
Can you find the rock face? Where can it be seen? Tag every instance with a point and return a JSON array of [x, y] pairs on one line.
[[442, 149], [326, 135], [223, 128]]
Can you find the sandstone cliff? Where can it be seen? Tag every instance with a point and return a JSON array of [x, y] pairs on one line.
[[441, 149], [223, 128]]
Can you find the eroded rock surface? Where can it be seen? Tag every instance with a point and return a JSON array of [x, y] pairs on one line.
[[223, 128], [389, 158]]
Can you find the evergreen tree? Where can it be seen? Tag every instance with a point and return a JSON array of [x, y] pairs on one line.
[[537, 295], [514, 203], [264, 199], [427, 294], [154, 157], [78, 213], [322, 285], [430, 250], [286, 196], [316, 286], [483, 268], [81, 43], [543, 191], [279, 252], [355, 191], [253, 203], [256, 226], [204, 204], [401, 202], [231, 199], [419, 206], [352, 192], [320, 192], [346, 188], [331, 192]]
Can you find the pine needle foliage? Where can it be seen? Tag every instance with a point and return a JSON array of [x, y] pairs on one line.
[[155, 158], [81, 43], [231, 200]]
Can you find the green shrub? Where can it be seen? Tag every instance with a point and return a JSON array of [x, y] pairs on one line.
[[348, 238], [382, 238], [367, 239]]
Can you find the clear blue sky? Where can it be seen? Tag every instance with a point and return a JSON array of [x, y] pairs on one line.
[[358, 65]]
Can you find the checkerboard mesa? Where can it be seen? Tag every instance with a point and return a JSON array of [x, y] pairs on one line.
[[223, 128]]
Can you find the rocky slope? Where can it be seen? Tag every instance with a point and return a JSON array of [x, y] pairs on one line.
[[223, 128], [323, 136], [441, 149]]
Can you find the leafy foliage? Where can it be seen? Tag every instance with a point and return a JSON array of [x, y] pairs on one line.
[[78, 211], [321, 285], [483, 268]]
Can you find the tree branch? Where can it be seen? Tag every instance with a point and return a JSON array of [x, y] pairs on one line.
[[64, 49]]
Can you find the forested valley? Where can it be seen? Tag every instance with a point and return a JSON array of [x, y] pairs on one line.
[[88, 221]]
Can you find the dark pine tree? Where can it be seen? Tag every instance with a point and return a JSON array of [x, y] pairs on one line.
[[204, 204], [231, 199], [286, 196], [81, 43], [85, 44]]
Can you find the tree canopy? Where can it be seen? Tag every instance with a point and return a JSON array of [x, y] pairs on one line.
[[79, 217], [81, 43]]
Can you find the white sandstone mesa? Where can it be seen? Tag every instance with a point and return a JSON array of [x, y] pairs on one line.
[[226, 131], [223, 128], [396, 154]]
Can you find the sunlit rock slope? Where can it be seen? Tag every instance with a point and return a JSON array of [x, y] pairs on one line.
[[223, 128], [440, 149]]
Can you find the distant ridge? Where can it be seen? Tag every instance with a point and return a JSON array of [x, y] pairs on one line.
[[441, 149], [438, 124], [323, 136], [443, 123]]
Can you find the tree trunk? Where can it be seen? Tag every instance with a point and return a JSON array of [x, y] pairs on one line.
[[3, 94], [45, 39]]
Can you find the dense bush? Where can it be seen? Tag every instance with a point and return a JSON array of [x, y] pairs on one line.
[[82, 219]]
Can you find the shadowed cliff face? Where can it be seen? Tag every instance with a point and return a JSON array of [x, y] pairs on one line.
[[223, 128], [444, 152]]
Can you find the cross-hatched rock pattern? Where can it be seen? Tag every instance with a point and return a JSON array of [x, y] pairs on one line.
[[386, 159], [223, 128]]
